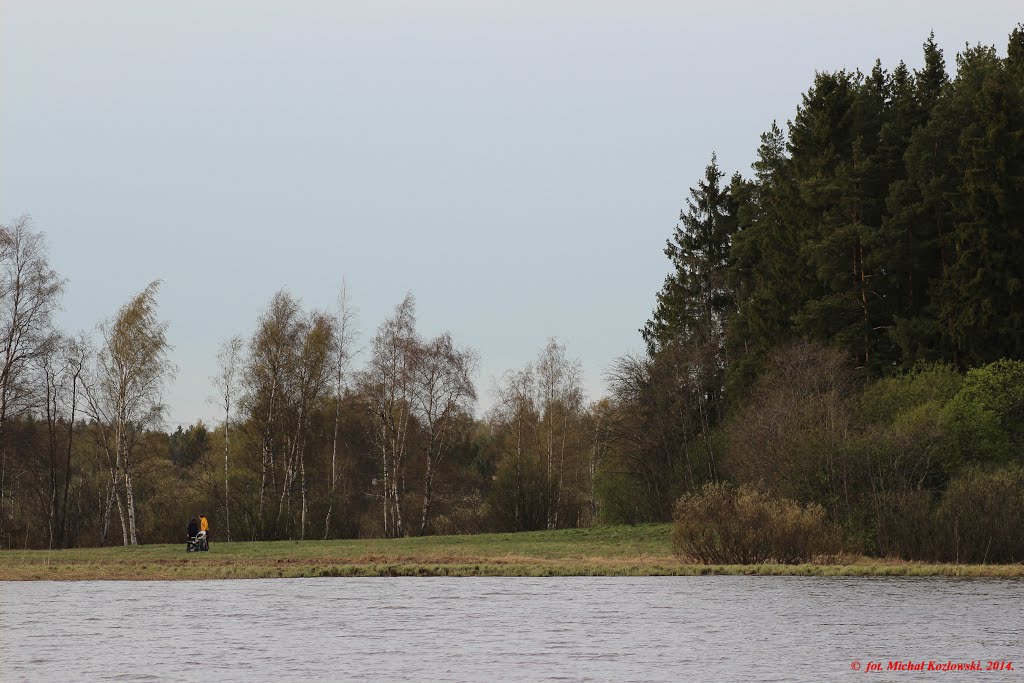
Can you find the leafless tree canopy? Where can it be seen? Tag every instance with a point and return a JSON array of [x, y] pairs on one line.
[[30, 293]]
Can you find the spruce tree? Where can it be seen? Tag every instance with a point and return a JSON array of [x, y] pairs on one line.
[[1015, 49], [695, 295]]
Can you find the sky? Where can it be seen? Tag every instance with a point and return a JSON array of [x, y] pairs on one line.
[[518, 165]]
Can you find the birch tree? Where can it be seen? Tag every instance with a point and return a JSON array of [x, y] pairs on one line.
[[559, 402], [539, 414], [289, 369], [226, 384], [598, 417], [125, 396], [75, 354], [30, 293], [344, 342], [313, 377], [442, 392], [267, 378], [60, 372], [387, 384]]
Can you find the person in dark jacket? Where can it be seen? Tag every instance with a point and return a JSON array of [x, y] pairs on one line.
[[193, 528]]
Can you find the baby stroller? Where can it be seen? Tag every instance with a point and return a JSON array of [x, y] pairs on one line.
[[197, 543]]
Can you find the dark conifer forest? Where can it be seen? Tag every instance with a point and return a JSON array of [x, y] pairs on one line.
[[840, 335]]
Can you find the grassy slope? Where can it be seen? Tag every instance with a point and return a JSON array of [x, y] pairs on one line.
[[610, 551]]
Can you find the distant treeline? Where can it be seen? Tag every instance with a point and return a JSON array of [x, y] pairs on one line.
[[840, 336]]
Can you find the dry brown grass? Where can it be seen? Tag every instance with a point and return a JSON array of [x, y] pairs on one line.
[[608, 551]]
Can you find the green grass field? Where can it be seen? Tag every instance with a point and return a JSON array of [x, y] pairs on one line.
[[602, 551]]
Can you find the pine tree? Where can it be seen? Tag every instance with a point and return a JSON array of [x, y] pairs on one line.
[[891, 248], [983, 289], [766, 273], [919, 219], [832, 143]]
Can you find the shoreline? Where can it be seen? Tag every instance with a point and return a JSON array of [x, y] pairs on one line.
[[602, 551], [417, 570]]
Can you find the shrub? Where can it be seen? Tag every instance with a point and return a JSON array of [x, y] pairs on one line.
[[792, 432], [926, 384], [982, 516], [745, 525], [467, 514], [905, 525], [978, 519], [904, 431], [520, 495], [987, 413]]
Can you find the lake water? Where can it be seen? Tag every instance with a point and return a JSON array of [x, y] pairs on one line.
[[507, 629]]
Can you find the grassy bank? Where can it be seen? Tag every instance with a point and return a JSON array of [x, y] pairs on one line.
[[603, 551]]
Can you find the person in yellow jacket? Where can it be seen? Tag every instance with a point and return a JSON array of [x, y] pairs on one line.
[[204, 525]]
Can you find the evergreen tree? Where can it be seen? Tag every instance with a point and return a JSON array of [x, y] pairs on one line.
[[695, 296], [983, 291], [891, 248], [766, 273], [848, 309], [1015, 49], [933, 78], [920, 217], [888, 224], [832, 142]]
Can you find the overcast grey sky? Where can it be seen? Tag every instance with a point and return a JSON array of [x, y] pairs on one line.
[[517, 165]]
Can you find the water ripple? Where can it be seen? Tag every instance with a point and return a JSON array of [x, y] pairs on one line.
[[502, 629]]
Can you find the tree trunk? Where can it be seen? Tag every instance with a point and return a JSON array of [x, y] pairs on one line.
[[334, 471], [397, 488], [302, 477], [864, 305], [120, 514], [64, 536], [106, 512], [3, 477], [399, 527], [130, 499], [428, 479], [108, 506], [227, 496], [263, 489], [51, 431], [113, 498], [385, 487], [284, 502], [266, 460]]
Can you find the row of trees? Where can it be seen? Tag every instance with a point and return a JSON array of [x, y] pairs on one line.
[[393, 448], [299, 399], [308, 446], [842, 330]]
